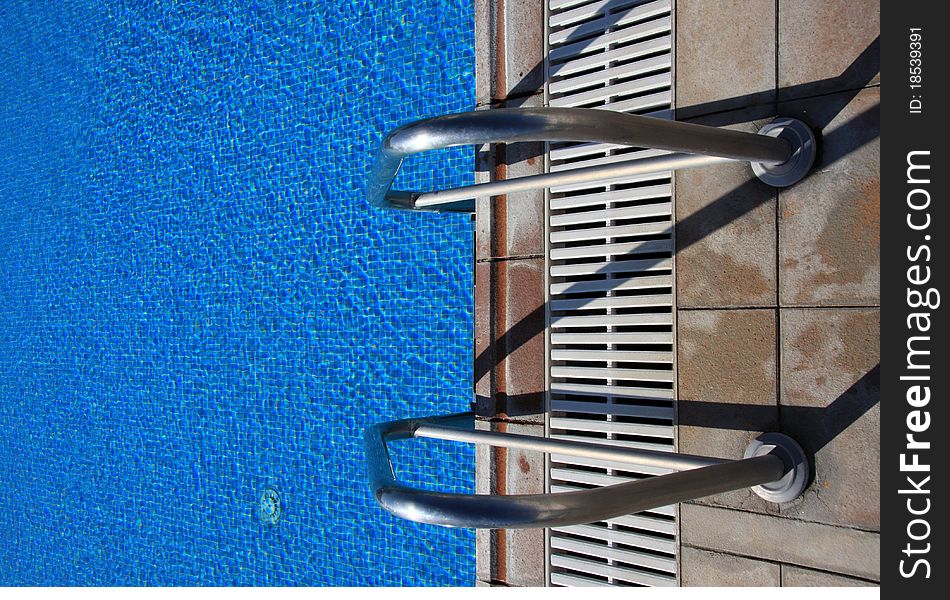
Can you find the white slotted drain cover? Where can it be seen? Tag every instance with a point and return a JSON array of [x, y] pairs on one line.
[[610, 276]]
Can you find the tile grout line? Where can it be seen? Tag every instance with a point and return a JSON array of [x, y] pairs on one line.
[[780, 564], [784, 517], [498, 259], [786, 307], [778, 250]]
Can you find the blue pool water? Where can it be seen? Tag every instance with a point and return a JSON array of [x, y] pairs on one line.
[[197, 304]]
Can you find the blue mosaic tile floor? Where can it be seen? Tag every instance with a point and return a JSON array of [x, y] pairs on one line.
[[197, 304]]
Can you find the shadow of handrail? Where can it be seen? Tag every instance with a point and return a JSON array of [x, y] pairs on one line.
[[850, 136]]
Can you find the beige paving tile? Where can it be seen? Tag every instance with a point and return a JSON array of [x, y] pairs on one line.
[[725, 57], [727, 388], [700, 568], [827, 46], [814, 545], [725, 228], [829, 223], [830, 402]]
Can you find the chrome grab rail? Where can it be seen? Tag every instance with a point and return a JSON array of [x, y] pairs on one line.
[[773, 462], [780, 154]]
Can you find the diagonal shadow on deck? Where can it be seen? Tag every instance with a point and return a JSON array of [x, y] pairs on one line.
[[844, 139]]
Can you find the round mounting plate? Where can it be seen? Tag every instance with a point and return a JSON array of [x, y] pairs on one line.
[[804, 150], [795, 480]]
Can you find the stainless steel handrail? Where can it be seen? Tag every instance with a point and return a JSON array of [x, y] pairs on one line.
[[774, 463], [780, 154]]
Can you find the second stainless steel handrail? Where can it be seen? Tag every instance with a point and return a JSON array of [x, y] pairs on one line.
[[774, 463], [780, 154]]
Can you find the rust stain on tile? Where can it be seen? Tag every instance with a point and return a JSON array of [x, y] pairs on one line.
[[725, 236], [501, 73], [842, 343], [808, 343], [860, 333], [500, 321], [828, 351], [849, 243], [727, 356], [868, 209], [500, 536], [523, 464], [831, 221], [830, 355], [813, 51], [499, 206], [708, 278]]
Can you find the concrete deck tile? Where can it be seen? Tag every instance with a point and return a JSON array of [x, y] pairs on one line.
[[509, 36], [727, 388], [509, 339], [514, 556], [839, 549], [725, 57], [512, 225], [727, 356], [699, 568], [830, 402], [725, 229], [827, 46], [829, 223], [799, 577]]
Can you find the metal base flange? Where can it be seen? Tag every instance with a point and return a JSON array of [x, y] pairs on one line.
[[804, 149], [793, 484]]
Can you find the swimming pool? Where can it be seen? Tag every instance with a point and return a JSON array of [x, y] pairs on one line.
[[200, 310]]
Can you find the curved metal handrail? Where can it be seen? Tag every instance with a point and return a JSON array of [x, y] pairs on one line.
[[775, 462], [780, 154]]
